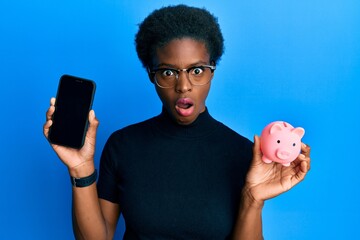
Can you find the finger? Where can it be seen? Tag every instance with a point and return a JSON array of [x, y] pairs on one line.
[[305, 149], [303, 169], [51, 109], [52, 101], [305, 153], [46, 128], [50, 113]]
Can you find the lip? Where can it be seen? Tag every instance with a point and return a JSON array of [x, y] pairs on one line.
[[184, 107]]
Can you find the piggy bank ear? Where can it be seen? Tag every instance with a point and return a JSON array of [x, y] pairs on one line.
[[275, 128], [299, 131]]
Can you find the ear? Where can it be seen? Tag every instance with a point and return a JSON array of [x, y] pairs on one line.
[[275, 128], [299, 131]]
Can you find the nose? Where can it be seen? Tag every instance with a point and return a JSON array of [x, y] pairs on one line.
[[283, 154], [183, 83]]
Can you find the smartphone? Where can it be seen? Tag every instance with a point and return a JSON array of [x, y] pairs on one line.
[[74, 100]]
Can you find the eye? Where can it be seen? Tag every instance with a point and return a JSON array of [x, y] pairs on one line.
[[167, 73], [278, 141], [197, 70], [294, 144]]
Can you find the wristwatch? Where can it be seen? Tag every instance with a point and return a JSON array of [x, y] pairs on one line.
[[85, 181]]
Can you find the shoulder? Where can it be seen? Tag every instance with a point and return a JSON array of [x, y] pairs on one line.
[[236, 149], [133, 130], [232, 135], [126, 140], [232, 141]]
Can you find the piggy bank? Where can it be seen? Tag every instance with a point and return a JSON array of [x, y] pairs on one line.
[[280, 142]]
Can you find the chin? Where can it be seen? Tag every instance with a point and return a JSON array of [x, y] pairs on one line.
[[181, 120]]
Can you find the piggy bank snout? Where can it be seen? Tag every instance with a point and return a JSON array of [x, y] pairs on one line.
[[283, 154]]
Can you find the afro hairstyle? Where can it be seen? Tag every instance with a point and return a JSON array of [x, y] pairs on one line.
[[177, 22]]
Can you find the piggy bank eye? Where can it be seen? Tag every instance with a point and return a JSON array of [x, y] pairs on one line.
[[278, 141], [294, 144]]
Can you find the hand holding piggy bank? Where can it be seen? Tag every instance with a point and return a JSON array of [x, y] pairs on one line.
[[280, 142]]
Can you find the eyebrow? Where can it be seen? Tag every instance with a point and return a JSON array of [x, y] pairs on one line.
[[164, 65]]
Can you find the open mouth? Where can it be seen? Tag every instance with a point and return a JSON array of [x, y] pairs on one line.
[[184, 106]]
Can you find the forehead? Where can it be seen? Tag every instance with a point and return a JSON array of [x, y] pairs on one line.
[[182, 53]]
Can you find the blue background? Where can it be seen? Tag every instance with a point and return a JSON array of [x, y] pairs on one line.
[[297, 61]]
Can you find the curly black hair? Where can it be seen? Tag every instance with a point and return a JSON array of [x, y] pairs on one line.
[[176, 22]]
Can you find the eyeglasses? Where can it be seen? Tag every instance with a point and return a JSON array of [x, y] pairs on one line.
[[197, 75]]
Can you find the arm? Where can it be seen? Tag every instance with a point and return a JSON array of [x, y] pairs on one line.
[[87, 223], [249, 221], [92, 218], [265, 181]]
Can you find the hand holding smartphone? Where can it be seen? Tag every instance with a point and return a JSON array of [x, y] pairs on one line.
[[74, 100]]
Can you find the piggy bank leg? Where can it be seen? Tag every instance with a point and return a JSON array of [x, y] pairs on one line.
[[286, 164], [266, 160]]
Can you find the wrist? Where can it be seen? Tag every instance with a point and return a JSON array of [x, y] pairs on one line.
[[249, 201], [85, 181], [82, 170]]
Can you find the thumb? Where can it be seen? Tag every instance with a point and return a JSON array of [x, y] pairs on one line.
[[93, 125], [256, 150]]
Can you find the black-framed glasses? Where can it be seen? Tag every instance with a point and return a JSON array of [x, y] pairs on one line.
[[197, 75]]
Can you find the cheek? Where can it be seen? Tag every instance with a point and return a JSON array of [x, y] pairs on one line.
[[296, 150], [198, 94], [159, 93], [165, 96], [270, 146], [203, 94]]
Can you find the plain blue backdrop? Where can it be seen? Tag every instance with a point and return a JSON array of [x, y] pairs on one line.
[[297, 61]]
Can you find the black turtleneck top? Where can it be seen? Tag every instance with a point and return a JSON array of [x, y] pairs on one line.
[[173, 181]]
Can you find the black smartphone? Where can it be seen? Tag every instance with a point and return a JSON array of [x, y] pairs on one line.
[[74, 100]]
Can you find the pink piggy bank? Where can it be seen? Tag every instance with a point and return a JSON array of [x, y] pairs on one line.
[[280, 142]]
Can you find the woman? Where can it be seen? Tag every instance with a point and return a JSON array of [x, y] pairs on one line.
[[181, 174]]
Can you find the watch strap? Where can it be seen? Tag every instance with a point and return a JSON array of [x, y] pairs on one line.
[[85, 181]]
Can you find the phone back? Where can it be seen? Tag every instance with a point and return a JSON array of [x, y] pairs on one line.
[[70, 120]]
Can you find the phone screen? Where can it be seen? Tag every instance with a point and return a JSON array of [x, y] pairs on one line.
[[73, 102]]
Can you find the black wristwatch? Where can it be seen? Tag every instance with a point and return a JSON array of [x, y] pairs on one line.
[[85, 181]]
